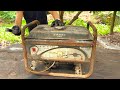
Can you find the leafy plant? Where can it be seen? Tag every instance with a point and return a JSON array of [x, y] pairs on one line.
[[102, 29], [118, 13], [7, 16], [79, 22]]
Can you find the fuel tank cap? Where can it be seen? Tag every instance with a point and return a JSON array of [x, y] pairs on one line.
[[60, 27]]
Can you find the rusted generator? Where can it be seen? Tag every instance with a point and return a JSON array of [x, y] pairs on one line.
[[49, 50]]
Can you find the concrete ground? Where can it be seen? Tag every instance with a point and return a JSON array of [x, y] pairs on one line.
[[107, 64]]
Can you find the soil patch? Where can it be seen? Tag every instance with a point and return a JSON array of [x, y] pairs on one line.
[[110, 41]]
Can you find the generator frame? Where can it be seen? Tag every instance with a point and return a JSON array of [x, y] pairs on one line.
[[66, 43]]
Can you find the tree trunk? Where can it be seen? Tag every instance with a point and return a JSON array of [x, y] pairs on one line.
[[61, 13], [113, 22]]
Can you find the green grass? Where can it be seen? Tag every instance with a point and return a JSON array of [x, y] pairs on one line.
[[7, 36]]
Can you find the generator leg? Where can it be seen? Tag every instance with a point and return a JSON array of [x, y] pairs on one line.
[[78, 69]]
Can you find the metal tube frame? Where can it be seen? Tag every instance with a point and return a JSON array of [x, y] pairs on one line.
[[92, 44]]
